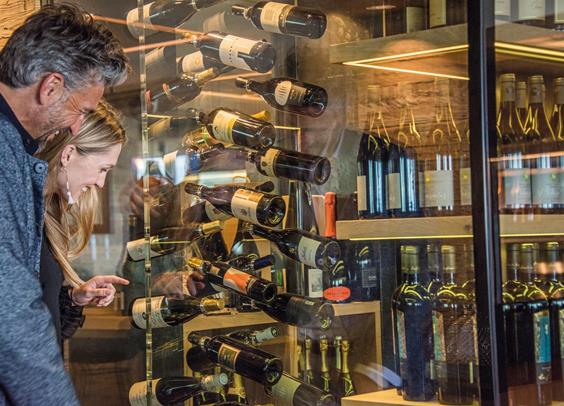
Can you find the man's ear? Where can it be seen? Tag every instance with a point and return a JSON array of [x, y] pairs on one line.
[[51, 89], [66, 155]]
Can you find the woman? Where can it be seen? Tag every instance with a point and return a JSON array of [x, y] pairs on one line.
[[78, 166]]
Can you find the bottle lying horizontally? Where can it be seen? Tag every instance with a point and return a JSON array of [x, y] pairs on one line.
[[284, 18], [308, 248], [293, 392], [243, 283], [244, 203], [173, 390], [255, 337], [248, 361], [171, 239], [299, 311], [289, 95], [169, 311], [251, 263], [187, 160]]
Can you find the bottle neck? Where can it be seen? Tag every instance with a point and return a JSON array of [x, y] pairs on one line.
[[345, 354]]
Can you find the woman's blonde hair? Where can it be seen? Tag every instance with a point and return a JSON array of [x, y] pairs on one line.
[[68, 227]]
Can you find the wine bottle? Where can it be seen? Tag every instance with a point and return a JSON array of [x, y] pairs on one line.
[[558, 12], [170, 240], [236, 391], [173, 390], [446, 12], [242, 53], [250, 362], [453, 337], [167, 312], [167, 125], [293, 392], [233, 127], [255, 337], [325, 376], [300, 311], [439, 174], [338, 366], [245, 204], [545, 180], [531, 12], [408, 17], [251, 262], [515, 172], [364, 273], [346, 385], [167, 13], [197, 360], [282, 163], [224, 275], [196, 62], [168, 96], [503, 10], [286, 94], [310, 249], [283, 18], [187, 160], [413, 331], [557, 124], [434, 269], [308, 370], [526, 318], [521, 101], [207, 398]]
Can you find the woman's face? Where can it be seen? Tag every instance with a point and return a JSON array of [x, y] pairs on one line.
[[85, 171]]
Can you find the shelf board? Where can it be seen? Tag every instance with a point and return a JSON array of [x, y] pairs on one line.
[[444, 51], [447, 227], [382, 398]]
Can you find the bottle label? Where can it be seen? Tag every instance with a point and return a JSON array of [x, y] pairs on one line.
[[237, 280], [516, 187], [287, 93], [507, 92], [531, 9], [273, 16], [439, 346], [394, 190], [154, 57], [307, 248], [561, 330], [421, 176], [192, 63], [437, 13], [314, 282], [230, 48], [361, 193], [133, 23], [244, 204], [369, 277], [138, 393], [222, 126], [503, 8], [268, 162], [559, 11], [136, 250], [402, 347], [542, 345], [213, 213], [337, 293], [227, 356], [140, 316], [283, 392], [465, 187], [545, 185], [439, 188], [414, 19]]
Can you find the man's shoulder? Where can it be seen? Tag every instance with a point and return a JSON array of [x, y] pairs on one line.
[[11, 142]]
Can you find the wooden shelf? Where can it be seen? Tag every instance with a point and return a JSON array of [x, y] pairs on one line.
[[447, 227], [382, 398], [443, 51]]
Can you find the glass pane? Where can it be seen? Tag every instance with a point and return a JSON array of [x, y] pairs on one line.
[[529, 166]]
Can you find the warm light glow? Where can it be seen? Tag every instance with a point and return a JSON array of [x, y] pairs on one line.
[[529, 52], [412, 55], [381, 7], [156, 45], [149, 27], [417, 72], [412, 237]]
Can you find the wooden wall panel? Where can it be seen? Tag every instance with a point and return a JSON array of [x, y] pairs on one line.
[[12, 15]]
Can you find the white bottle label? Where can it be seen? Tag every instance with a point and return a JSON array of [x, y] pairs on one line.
[[176, 167], [439, 188], [155, 56], [192, 63], [503, 8], [287, 93], [270, 16], [465, 187], [561, 180], [307, 248], [516, 187], [227, 356], [437, 13], [133, 23], [237, 280], [140, 316], [532, 9], [213, 213], [545, 185], [138, 393], [229, 51], [244, 205], [414, 19], [421, 176], [136, 250], [283, 392], [361, 193], [268, 160], [222, 126], [394, 190], [314, 282], [559, 11]]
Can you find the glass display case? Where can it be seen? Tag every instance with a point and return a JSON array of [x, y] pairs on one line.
[[328, 202]]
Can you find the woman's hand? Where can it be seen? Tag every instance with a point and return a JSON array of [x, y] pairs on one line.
[[195, 282], [99, 290]]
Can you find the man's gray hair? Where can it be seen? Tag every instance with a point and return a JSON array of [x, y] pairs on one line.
[[66, 40]]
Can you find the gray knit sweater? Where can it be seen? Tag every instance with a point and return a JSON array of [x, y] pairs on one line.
[[31, 367]]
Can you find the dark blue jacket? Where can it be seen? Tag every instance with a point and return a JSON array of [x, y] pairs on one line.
[[31, 366]]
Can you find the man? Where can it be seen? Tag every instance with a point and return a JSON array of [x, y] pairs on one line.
[[53, 71]]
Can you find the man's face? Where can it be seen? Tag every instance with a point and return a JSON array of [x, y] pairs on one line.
[[71, 109]]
